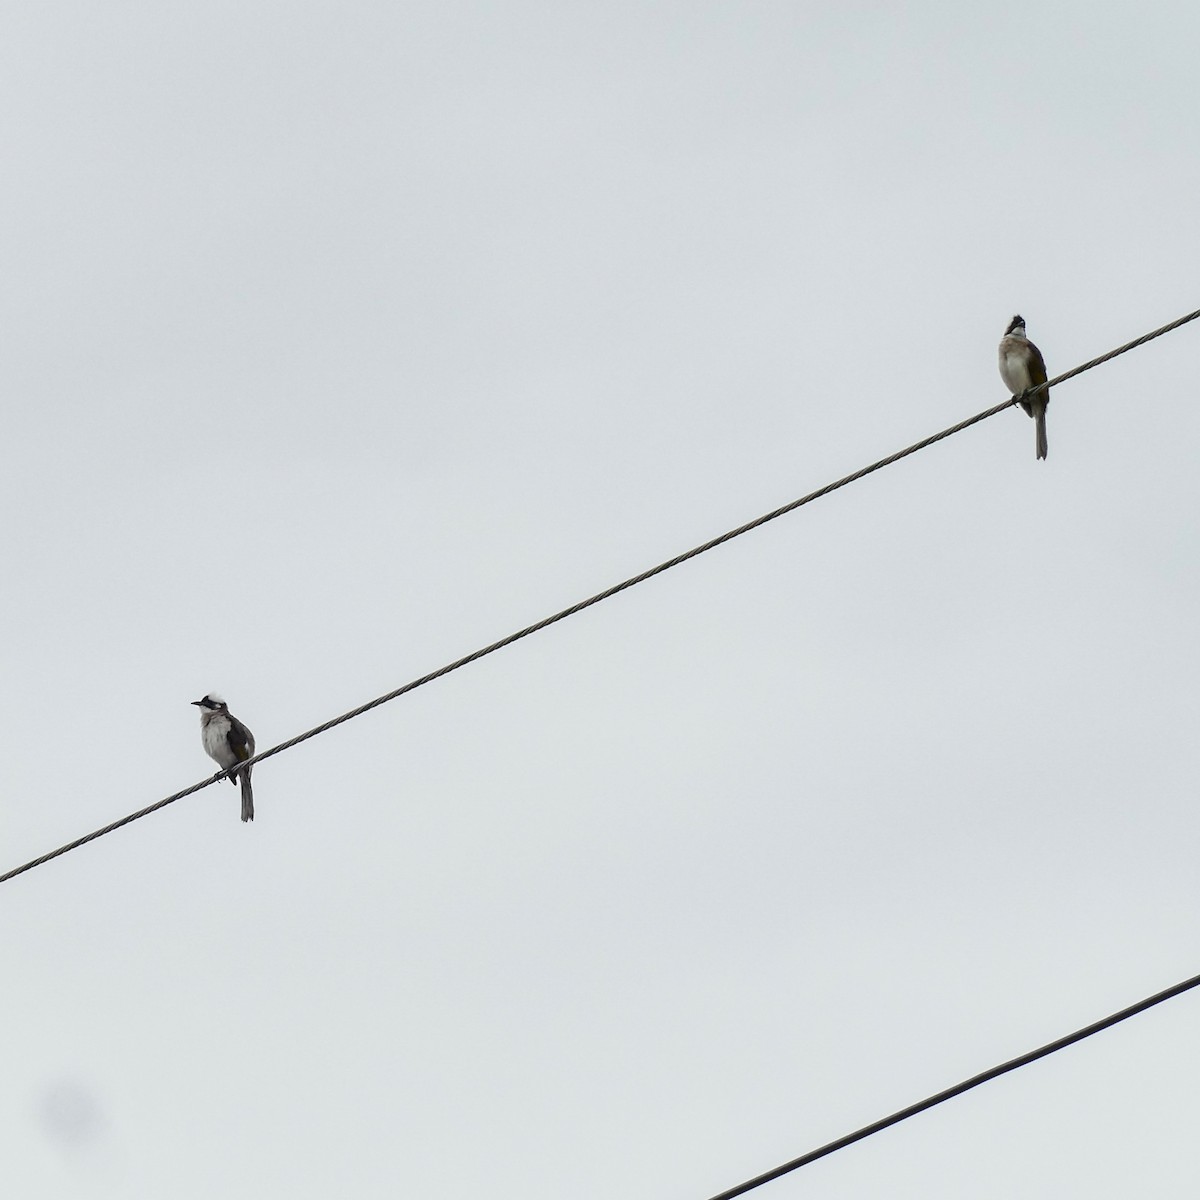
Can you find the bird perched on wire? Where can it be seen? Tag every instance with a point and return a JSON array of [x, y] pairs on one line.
[[228, 742], [1022, 367]]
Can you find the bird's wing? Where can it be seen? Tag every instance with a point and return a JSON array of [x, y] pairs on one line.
[[1037, 365], [241, 740]]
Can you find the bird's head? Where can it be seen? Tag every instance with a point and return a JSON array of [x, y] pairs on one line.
[[212, 702], [1017, 326]]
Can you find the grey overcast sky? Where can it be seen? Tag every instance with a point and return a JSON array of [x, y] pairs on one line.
[[342, 339]]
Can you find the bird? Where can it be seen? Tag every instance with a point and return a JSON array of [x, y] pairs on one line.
[[1022, 367], [228, 742]]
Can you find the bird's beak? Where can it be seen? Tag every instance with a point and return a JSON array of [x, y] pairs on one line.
[[199, 702]]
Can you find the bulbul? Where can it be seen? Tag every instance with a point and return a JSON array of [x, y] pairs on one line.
[[228, 742], [1022, 367]]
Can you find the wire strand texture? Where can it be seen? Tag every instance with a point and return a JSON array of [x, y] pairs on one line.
[[562, 615], [957, 1090]]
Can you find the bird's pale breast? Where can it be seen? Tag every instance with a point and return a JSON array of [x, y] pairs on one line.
[[1014, 368]]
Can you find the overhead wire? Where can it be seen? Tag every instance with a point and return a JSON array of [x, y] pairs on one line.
[[957, 1090], [624, 585]]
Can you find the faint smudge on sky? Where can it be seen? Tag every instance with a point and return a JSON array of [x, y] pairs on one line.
[[70, 1115]]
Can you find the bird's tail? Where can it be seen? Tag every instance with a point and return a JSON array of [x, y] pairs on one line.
[[1039, 415], [247, 795]]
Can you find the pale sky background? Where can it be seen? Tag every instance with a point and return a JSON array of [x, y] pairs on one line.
[[342, 339]]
